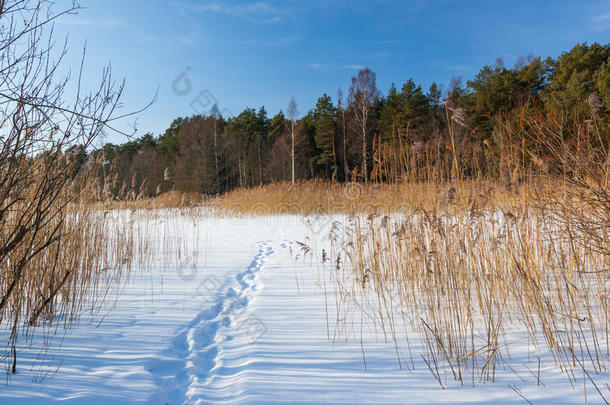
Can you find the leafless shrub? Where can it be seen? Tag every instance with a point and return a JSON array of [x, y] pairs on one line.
[[46, 262]]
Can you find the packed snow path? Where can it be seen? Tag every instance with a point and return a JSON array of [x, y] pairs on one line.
[[199, 346], [222, 318]]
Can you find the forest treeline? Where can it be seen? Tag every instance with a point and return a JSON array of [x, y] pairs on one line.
[[492, 126]]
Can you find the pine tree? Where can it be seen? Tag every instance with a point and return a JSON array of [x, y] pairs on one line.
[[325, 133]]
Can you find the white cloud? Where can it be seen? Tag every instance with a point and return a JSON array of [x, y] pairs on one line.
[[317, 66], [601, 22], [382, 42], [192, 38], [279, 41], [604, 17], [102, 23], [323, 66], [259, 12]]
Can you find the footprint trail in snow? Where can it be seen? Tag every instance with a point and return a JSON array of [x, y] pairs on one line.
[[198, 347]]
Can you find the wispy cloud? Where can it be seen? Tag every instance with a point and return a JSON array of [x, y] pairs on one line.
[[327, 66], [601, 22], [101, 23], [318, 66], [604, 17], [382, 42], [148, 38], [279, 41], [193, 38], [258, 12], [379, 55]]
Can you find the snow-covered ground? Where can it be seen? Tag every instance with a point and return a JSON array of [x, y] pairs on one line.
[[225, 315]]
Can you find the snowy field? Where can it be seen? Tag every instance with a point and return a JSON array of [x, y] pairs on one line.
[[226, 315]]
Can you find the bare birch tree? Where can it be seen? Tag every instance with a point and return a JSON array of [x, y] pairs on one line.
[[362, 95], [292, 113], [341, 108]]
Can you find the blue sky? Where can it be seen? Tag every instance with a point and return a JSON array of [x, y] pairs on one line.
[[252, 53]]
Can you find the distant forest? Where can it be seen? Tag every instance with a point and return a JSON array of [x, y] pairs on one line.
[[488, 127]]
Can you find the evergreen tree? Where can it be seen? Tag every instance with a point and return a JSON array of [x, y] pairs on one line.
[[573, 73], [601, 80], [407, 109], [277, 127], [168, 145], [435, 96], [325, 133]]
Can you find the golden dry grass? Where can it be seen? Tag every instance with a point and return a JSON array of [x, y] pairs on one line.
[[464, 275], [170, 199], [318, 196], [71, 276], [327, 197], [472, 280]]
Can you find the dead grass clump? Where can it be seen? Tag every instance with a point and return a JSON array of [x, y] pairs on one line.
[[171, 199], [470, 279], [72, 275], [324, 197]]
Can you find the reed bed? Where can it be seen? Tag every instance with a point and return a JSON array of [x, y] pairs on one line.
[[325, 197], [74, 275], [468, 280], [171, 199]]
